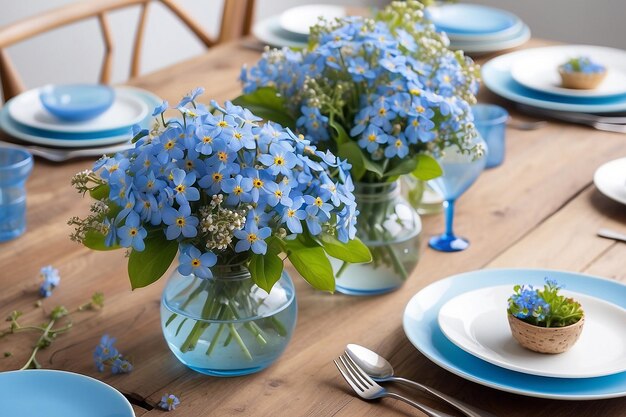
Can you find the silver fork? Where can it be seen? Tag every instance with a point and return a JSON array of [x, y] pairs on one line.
[[369, 390]]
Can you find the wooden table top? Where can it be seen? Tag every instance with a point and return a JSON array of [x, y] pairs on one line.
[[539, 209]]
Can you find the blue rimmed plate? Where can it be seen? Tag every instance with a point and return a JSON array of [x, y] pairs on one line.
[[422, 329], [473, 22], [516, 39], [43, 392], [496, 75], [77, 140]]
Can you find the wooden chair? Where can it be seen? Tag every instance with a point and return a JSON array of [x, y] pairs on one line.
[[236, 22]]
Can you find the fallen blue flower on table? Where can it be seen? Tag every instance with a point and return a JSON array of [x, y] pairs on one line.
[[51, 280], [169, 402]]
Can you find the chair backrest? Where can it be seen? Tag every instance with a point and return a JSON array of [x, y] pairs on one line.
[[237, 18]]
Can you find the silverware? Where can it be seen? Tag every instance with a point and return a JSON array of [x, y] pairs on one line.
[[369, 390], [520, 125], [612, 234], [380, 370], [606, 123], [60, 155]]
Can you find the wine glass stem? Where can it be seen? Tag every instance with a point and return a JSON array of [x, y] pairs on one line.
[[448, 206]]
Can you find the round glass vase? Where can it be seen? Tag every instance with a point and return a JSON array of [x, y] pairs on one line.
[[226, 325], [390, 227]]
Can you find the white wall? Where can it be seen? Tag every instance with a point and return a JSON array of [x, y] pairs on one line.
[[73, 53]]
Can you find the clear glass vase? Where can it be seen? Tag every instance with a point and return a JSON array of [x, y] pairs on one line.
[[390, 227], [226, 325]]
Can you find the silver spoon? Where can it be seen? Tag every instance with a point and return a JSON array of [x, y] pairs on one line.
[[380, 370]]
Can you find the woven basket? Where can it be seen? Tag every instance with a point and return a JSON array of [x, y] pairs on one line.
[[545, 339], [580, 80]]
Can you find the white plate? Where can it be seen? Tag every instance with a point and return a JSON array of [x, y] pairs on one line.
[[127, 110], [610, 179], [482, 47], [496, 74], [476, 321], [537, 68], [19, 132], [421, 328], [269, 32], [299, 19]]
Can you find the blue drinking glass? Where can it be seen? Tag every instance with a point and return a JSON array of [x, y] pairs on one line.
[[15, 167], [490, 121], [460, 170]]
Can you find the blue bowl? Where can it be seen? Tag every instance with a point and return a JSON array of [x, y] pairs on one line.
[[77, 102]]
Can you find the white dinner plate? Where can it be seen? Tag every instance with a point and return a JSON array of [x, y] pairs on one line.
[[270, 33], [537, 68], [476, 321], [471, 22], [59, 140], [516, 39], [610, 179], [496, 75], [127, 110], [299, 19], [422, 329]]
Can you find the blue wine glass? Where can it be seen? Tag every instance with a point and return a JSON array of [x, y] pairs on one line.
[[460, 170]]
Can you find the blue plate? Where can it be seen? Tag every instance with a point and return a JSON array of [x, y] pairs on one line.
[[41, 392], [77, 102], [471, 19], [422, 329], [496, 75], [73, 140]]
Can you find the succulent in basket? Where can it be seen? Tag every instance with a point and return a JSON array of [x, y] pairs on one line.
[[234, 199], [386, 94], [543, 320]]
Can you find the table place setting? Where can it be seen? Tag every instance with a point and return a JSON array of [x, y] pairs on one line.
[[291, 227], [80, 120]]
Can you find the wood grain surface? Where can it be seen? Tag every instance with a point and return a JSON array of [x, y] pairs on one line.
[[539, 209]]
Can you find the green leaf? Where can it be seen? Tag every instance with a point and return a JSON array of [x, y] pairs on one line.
[[374, 167], [267, 104], [100, 192], [266, 269], [354, 251], [312, 263], [342, 137], [149, 265], [404, 167], [427, 168], [354, 155], [95, 241]]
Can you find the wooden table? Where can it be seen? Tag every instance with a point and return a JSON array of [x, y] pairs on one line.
[[539, 209]]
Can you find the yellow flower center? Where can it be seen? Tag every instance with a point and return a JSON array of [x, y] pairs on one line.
[[150, 184], [415, 123], [318, 202], [180, 221], [238, 190], [217, 177], [180, 188], [420, 109], [291, 212], [398, 143], [372, 137], [414, 91], [133, 231], [222, 156], [195, 262], [222, 123], [382, 111], [278, 193], [279, 160], [238, 135], [207, 139], [252, 238], [257, 183]]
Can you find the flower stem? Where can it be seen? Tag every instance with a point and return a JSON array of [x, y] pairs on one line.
[[40, 343]]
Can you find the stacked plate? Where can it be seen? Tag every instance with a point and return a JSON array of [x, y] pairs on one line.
[[478, 29], [460, 323], [531, 77], [24, 118], [291, 28]]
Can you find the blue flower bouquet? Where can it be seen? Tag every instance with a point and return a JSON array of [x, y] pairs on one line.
[[234, 199], [386, 94]]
